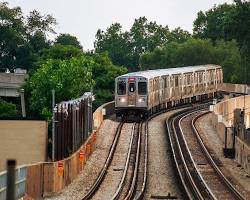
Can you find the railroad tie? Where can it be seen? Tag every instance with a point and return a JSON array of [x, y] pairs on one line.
[[168, 196]]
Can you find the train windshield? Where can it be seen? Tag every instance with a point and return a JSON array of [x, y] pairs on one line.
[[142, 88], [121, 88], [131, 87]]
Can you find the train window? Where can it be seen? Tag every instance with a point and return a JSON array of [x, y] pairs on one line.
[[188, 79], [131, 87], [142, 88], [121, 88], [176, 81], [200, 77]]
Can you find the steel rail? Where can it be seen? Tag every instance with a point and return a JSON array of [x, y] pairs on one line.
[[236, 193], [140, 194], [207, 189], [178, 157], [194, 189], [136, 168], [103, 172], [188, 192], [119, 189]]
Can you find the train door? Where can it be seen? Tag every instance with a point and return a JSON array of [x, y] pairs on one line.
[[131, 92]]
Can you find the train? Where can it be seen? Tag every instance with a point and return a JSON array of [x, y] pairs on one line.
[[143, 93]]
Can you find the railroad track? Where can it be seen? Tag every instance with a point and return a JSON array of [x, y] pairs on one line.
[[131, 164], [135, 161], [200, 176], [103, 172]]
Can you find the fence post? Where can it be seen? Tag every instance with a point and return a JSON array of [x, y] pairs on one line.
[[11, 176], [53, 125]]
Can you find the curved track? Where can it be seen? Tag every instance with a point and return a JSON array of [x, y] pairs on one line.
[[199, 174], [136, 157], [101, 175]]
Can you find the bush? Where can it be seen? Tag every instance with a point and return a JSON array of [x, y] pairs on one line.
[[7, 109]]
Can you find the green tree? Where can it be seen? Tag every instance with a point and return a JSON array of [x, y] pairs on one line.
[[67, 39], [146, 36], [115, 43], [12, 34], [125, 48], [59, 51], [211, 24], [178, 35], [7, 109], [38, 27], [22, 37], [227, 54], [197, 52], [70, 79], [104, 74], [228, 22]]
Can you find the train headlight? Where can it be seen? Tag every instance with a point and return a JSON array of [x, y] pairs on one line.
[[140, 100], [122, 99]]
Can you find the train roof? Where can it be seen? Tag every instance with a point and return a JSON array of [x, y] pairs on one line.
[[170, 71]]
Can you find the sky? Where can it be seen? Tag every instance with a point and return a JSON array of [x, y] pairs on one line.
[[82, 18]]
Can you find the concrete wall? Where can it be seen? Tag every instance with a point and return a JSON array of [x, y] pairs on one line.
[[224, 116], [24, 140], [237, 88], [50, 177], [242, 155], [225, 109], [10, 83], [100, 114]]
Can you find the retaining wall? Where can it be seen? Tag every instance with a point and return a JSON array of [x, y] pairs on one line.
[[242, 155], [50, 177], [24, 140], [223, 117], [236, 88]]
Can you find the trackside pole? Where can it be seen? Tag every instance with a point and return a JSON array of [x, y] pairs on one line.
[[11, 175], [53, 125]]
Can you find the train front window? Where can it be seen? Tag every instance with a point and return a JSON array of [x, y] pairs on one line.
[[131, 87], [121, 88], [142, 88]]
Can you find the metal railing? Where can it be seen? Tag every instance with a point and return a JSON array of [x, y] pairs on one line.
[[73, 124], [21, 174]]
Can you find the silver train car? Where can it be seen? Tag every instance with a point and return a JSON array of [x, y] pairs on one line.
[[145, 92]]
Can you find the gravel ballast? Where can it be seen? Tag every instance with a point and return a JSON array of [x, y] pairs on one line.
[[161, 178], [213, 143], [93, 166]]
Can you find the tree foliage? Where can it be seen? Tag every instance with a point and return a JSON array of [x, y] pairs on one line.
[[20, 37], [67, 39], [59, 51], [40, 23], [125, 48], [197, 52], [211, 24], [225, 21], [115, 42], [228, 22], [71, 76], [70, 79], [7, 109], [104, 74]]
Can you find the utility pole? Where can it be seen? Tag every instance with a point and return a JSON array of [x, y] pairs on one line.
[[22, 102], [53, 125], [245, 88]]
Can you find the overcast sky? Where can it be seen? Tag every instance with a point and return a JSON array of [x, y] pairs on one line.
[[82, 18]]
